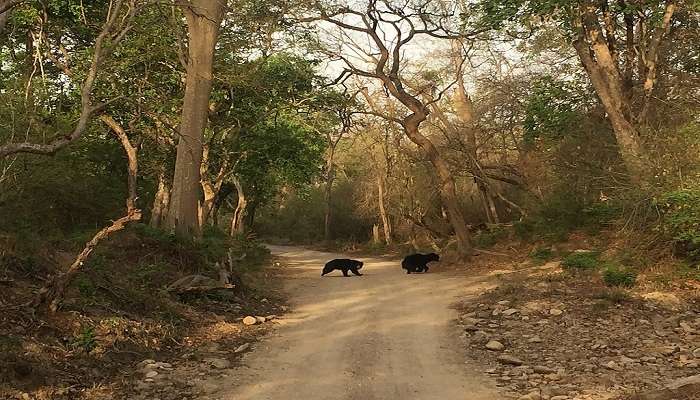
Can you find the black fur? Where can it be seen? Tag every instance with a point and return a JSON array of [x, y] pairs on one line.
[[343, 264], [418, 262]]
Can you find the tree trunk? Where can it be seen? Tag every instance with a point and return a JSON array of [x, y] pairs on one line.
[[375, 234], [386, 224], [608, 87], [330, 177], [160, 202], [203, 20], [447, 188], [237, 221]]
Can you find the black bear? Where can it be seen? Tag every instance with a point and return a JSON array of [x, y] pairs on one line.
[[418, 262], [344, 265]]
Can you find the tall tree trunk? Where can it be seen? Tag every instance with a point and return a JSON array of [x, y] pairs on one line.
[[203, 20], [330, 177], [607, 81], [238, 219], [447, 188], [386, 224], [448, 192], [609, 89], [464, 108], [160, 202]]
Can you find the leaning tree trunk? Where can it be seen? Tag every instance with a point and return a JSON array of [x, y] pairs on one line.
[[447, 189], [52, 294], [203, 20], [607, 82]]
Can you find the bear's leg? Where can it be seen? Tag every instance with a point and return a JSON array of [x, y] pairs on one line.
[[425, 269], [355, 272], [345, 272]]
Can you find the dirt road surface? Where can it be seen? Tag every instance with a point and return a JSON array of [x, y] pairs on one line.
[[382, 336]]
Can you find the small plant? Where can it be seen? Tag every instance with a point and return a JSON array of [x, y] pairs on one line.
[[617, 276], [85, 286], [490, 237], [541, 255], [613, 296], [86, 340], [580, 260]]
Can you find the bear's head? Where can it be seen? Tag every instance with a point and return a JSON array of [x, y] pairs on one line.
[[360, 264], [433, 257]]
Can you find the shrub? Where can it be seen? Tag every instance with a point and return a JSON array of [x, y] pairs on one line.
[[680, 221], [580, 260], [86, 340], [541, 255], [614, 275], [490, 236], [614, 296]]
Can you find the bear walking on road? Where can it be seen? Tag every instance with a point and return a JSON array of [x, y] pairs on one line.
[[343, 264], [418, 262]]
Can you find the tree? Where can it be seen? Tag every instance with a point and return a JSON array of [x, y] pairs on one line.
[[382, 59], [619, 46], [203, 20]]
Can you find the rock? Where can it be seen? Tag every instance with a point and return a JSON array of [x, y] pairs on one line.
[[559, 398], [510, 311], [147, 361], [696, 353], [667, 300], [151, 374], [495, 345], [535, 339], [541, 369], [260, 319], [613, 366], [242, 348], [219, 363], [531, 396], [510, 360], [555, 311], [687, 328], [471, 328], [250, 320], [271, 317], [684, 382]]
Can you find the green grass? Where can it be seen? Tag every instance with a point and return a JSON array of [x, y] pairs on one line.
[[541, 255], [617, 276], [581, 261]]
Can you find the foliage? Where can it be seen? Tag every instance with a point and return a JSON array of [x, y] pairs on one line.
[[541, 255], [553, 109], [681, 219], [489, 237], [85, 340], [615, 275], [580, 261]]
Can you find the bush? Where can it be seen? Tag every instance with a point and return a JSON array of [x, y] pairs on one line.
[[541, 255], [617, 276], [680, 221], [490, 236], [580, 260]]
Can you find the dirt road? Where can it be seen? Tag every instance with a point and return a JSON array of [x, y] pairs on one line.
[[382, 336]]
